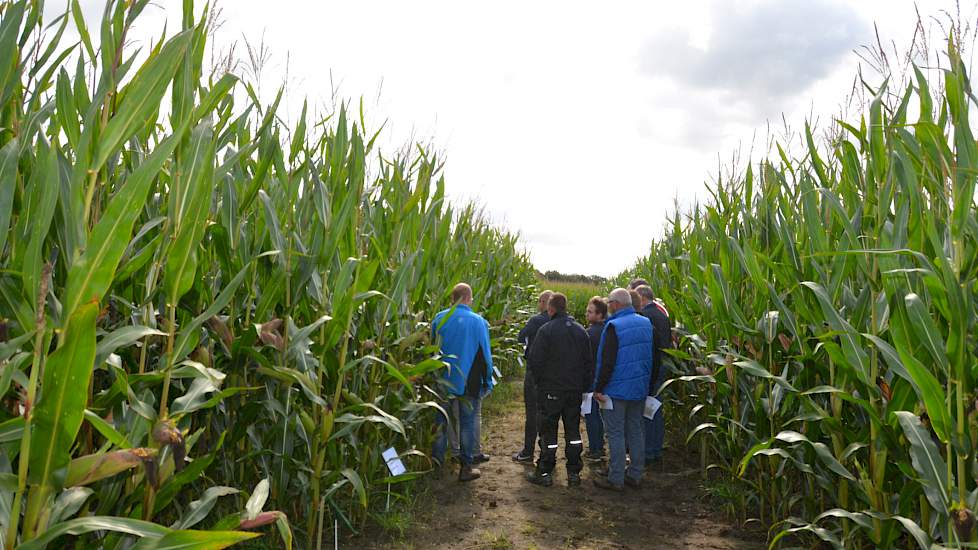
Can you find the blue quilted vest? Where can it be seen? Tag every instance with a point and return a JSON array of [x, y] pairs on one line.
[[633, 367]]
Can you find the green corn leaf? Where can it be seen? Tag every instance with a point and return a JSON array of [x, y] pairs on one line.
[[928, 389], [921, 319], [91, 275], [199, 509], [927, 461], [821, 450], [44, 188], [8, 185], [195, 540], [61, 405], [190, 204], [141, 97], [81, 526], [107, 430]]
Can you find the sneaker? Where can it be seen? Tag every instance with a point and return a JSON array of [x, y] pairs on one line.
[[595, 455], [468, 473], [543, 480], [480, 458], [523, 458], [573, 480], [603, 483], [633, 483]]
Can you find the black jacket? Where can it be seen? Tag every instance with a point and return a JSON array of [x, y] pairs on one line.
[[530, 330], [661, 339], [561, 359], [594, 335]]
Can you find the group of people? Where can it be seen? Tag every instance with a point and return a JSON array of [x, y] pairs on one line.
[[608, 372]]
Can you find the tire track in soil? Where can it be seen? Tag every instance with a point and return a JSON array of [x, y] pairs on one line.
[[502, 510]]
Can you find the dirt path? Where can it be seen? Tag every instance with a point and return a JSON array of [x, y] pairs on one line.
[[502, 510]]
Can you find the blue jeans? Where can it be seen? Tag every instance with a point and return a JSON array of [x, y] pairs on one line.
[[467, 415], [453, 433], [595, 428], [623, 425]]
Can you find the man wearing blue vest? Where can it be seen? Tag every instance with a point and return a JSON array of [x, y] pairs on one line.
[[464, 339], [621, 382]]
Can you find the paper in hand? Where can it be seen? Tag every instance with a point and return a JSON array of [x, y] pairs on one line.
[[651, 406], [586, 402]]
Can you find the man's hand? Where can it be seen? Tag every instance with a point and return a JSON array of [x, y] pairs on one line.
[[600, 396]]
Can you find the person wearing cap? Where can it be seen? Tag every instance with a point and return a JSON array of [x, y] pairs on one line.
[[531, 422], [597, 312], [463, 336], [655, 428], [561, 368], [622, 378]]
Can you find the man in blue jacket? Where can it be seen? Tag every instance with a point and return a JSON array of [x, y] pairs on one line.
[[622, 382], [464, 339]]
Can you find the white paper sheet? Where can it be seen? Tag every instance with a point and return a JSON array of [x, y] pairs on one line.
[[651, 406], [586, 400], [394, 463], [606, 404]]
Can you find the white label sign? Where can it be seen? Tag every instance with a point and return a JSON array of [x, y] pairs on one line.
[[394, 463]]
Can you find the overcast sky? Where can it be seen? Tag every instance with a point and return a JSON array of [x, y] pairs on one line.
[[575, 123]]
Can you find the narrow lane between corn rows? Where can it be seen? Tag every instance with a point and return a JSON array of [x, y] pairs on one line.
[[502, 510]]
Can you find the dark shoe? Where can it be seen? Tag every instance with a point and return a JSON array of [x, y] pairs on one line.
[[543, 480], [595, 455], [573, 480], [603, 483], [468, 473], [633, 483], [523, 458], [480, 459]]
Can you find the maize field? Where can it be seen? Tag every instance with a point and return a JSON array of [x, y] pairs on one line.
[[211, 324], [827, 313]]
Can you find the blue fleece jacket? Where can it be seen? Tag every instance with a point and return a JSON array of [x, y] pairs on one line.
[[462, 332]]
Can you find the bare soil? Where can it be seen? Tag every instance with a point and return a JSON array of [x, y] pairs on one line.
[[502, 510]]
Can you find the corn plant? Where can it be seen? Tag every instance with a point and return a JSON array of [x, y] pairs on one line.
[[826, 304], [210, 323]]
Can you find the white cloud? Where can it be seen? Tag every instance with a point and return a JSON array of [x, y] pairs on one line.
[[758, 52]]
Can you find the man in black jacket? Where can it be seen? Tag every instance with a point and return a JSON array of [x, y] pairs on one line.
[[662, 340], [526, 335], [562, 368]]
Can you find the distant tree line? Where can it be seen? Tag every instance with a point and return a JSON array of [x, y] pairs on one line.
[[557, 276]]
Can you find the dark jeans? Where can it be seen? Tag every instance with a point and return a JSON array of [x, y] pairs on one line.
[[595, 428], [532, 415], [655, 429], [558, 407]]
